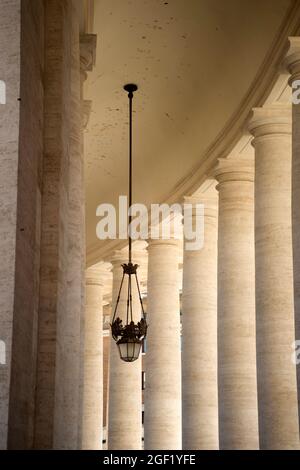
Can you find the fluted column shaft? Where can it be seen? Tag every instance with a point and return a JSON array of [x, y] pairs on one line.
[[293, 64], [277, 390], [125, 387], [199, 336], [238, 421], [163, 358]]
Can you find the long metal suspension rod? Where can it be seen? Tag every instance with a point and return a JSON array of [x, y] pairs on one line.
[[130, 95]]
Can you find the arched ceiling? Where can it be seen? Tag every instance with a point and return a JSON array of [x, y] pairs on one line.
[[194, 62]]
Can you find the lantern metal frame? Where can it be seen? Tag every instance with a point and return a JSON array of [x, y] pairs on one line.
[[130, 333]]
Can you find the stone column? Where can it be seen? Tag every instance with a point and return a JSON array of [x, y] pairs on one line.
[[88, 43], [57, 413], [238, 421], [163, 358], [275, 329], [125, 384], [293, 65], [10, 36], [92, 423], [199, 334], [21, 160], [67, 411]]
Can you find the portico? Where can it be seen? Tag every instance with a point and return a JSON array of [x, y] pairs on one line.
[[218, 369]]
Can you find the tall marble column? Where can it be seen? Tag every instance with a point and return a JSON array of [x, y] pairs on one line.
[[238, 421], [125, 383], [199, 334], [293, 65], [275, 325], [163, 359], [92, 423]]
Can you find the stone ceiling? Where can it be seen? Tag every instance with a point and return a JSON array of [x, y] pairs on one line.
[[194, 62]]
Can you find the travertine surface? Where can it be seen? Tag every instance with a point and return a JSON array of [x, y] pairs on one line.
[[59, 339], [9, 140], [163, 358], [87, 53], [67, 400], [92, 423], [125, 385], [23, 374], [275, 329], [106, 350], [238, 419], [199, 336], [293, 63]]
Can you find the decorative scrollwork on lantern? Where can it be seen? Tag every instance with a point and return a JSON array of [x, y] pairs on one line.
[[129, 337], [131, 330]]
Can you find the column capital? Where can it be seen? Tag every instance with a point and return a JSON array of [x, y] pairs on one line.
[[119, 257], [97, 274], [88, 44], [208, 199], [292, 60], [163, 242], [231, 169], [273, 119], [168, 229], [86, 112]]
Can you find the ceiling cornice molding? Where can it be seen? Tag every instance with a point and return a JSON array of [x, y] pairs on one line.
[[268, 85]]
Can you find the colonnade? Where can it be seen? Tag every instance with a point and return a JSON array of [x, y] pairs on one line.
[[230, 382], [223, 375]]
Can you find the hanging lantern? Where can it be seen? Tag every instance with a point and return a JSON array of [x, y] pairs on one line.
[[129, 337]]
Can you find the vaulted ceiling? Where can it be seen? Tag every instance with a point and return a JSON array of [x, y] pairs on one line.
[[194, 62]]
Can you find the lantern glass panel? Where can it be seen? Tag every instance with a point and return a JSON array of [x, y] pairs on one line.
[[129, 349]]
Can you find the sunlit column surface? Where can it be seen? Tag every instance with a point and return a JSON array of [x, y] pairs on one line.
[[293, 65], [275, 332], [92, 422], [163, 359], [238, 421], [125, 394], [199, 334]]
